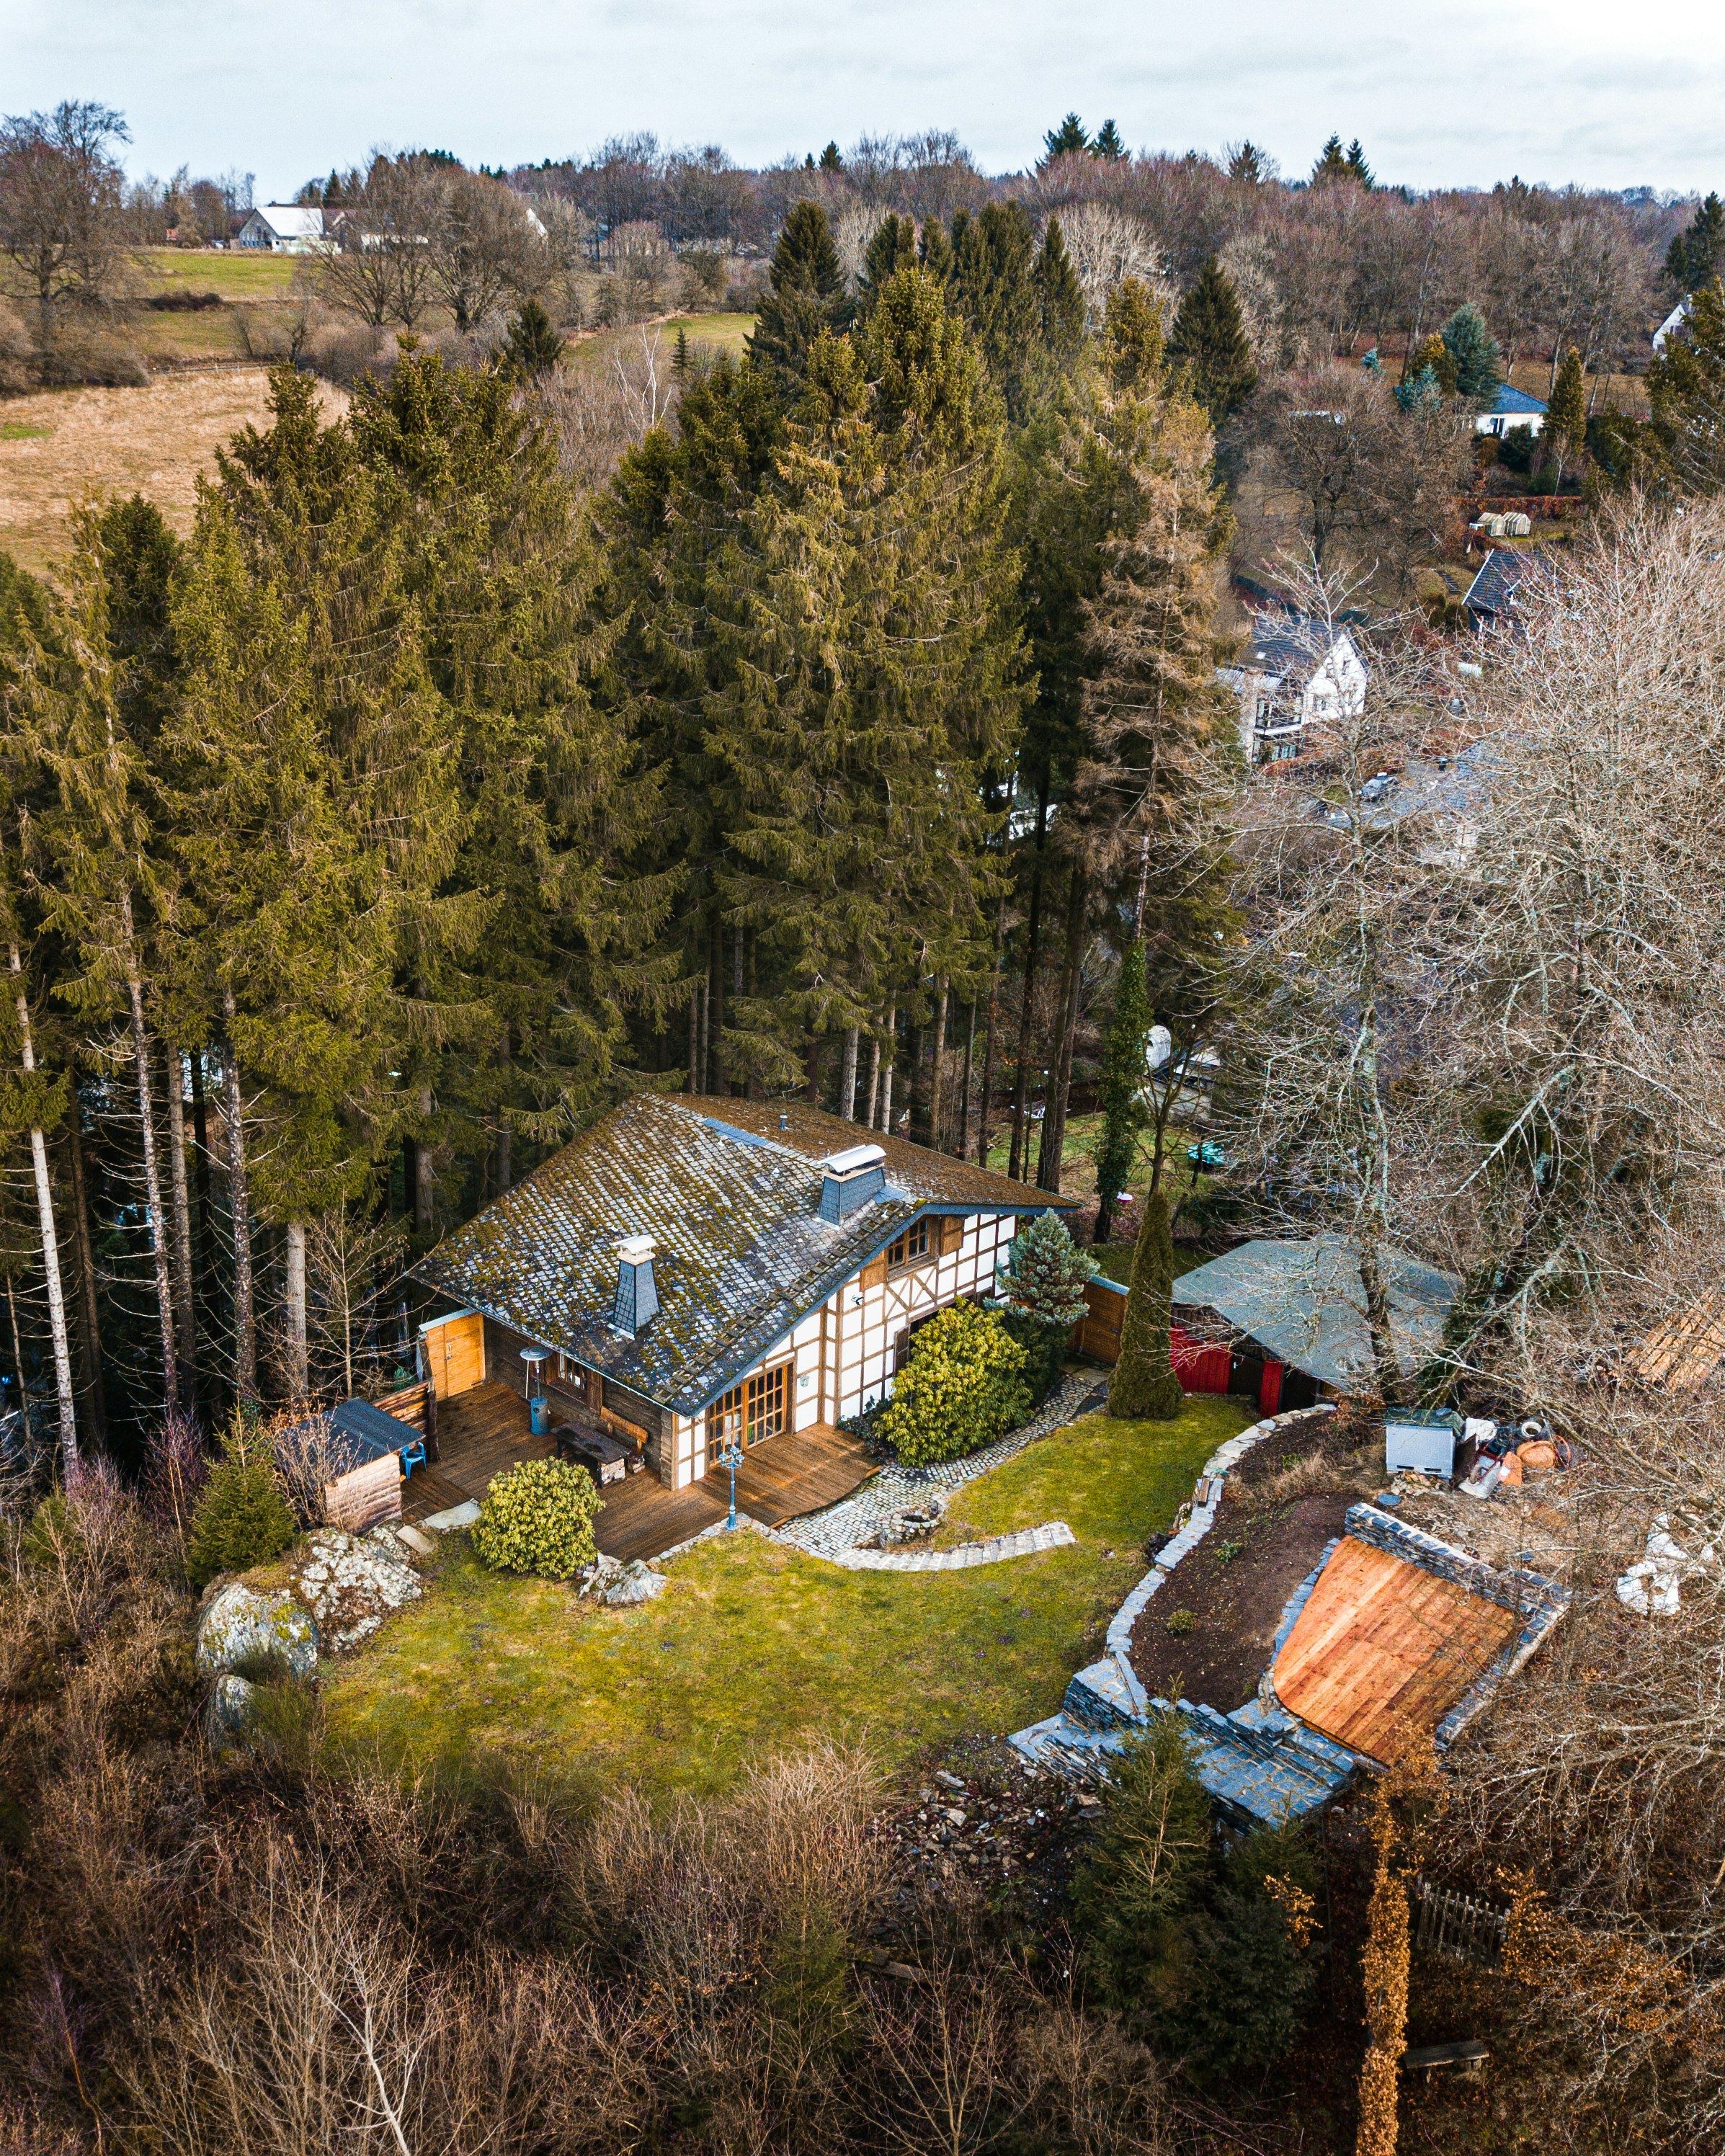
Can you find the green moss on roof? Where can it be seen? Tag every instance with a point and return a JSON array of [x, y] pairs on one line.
[[730, 1191]]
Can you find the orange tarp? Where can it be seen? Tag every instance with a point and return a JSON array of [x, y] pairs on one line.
[[1383, 1650]]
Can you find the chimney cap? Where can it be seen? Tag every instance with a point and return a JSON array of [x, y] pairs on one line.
[[853, 1159], [636, 1249]]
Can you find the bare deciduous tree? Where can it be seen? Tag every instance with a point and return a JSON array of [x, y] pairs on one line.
[[61, 194]]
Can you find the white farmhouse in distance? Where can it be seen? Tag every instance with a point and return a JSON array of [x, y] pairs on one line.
[[1510, 408], [283, 229], [1297, 672]]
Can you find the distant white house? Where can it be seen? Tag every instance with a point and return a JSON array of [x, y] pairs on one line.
[[1297, 672], [1510, 408], [1672, 323], [283, 229]]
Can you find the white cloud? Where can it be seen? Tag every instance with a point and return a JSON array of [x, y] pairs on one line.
[[1555, 90]]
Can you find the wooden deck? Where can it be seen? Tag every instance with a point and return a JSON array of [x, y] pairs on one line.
[[483, 1431], [1383, 1650]]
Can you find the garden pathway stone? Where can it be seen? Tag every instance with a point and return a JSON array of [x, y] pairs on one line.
[[1054, 1534]]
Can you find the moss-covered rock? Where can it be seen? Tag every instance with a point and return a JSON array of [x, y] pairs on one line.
[[242, 1629]]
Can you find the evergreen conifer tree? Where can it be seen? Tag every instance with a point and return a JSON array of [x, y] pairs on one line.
[[893, 248], [1433, 356], [1565, 433], [1697, 253], [1108, 145], [1358, 169], [1209, 346], [1246, 164], [1144, 1387], [830, 160], [1331, 164], [1474, 353], [1123, 1083], [1683, 443], [934, 251], [994, 290], [808, 296], [1059, 295], [532, 347], [1133, 351], [1066, 140]]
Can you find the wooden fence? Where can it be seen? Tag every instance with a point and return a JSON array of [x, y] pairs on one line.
[[1448, 1922]]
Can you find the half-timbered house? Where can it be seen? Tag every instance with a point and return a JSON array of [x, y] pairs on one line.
[[695, 1270]]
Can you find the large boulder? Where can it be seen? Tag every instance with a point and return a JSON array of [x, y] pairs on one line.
[[636, 1584], [230, 1707], [239, 1624], [351, 1583]]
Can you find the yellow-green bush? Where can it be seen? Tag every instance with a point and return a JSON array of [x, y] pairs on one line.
[[963, 1387], [538, 1517]]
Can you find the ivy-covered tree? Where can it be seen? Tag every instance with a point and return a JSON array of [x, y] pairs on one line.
[[1124, 1071], [1144, 1387]]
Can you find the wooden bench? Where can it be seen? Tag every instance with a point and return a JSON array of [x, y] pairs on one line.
[[1467, 2058]]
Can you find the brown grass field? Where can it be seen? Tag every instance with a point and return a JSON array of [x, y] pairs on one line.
[[99, 442]]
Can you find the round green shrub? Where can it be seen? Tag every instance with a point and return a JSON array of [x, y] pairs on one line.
[[242, 1519], [963, 1388], [538, 1517]]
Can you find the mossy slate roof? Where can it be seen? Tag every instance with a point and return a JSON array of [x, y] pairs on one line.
[[730, 1191]]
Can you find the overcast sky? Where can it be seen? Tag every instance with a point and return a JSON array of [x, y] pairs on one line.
[[1463, 94]]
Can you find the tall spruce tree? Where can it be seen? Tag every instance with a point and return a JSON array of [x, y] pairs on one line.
[[1109, 145], [892, 247], [1067, 140], [1060, 296], [807, 296], [1209, 346], [994, 290], [1697, 253], [1331, 164]]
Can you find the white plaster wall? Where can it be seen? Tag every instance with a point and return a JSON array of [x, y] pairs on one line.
[[843, 1352]]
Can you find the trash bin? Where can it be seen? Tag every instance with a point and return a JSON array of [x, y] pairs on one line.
[[539, 1409]]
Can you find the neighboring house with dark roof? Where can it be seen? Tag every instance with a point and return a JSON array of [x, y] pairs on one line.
[[1297, 672], [1510, 407], [703, 1268], [1492, 596], [1302, 1304]]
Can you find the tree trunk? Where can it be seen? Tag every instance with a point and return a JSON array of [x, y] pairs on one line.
[[424, 1172], [506, 1156], [245, 1308], [18, 1348], [847, 1077], [874, 1080], [886, 1073], [206, 1201], [989, 1040], [1059, 1073], [152, 1171], [1033, 936], [811, 1071], [299, 1372], [89, 1306], [50, 1247], [185, 1308], [715, 1005], [963, 1147], [937, 1065]]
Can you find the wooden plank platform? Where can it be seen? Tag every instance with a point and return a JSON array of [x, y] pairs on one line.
[[486, 1429], [1383, 1650]]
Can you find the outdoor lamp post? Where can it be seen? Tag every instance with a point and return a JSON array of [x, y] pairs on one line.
[[732, 1457], [538, 1417]]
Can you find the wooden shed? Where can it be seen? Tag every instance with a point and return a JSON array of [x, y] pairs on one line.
[[363, 1484]]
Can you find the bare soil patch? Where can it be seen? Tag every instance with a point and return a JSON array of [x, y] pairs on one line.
[[153, 441], [1285, 1501]]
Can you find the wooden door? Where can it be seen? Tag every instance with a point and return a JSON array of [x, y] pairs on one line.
[[455, 1354]]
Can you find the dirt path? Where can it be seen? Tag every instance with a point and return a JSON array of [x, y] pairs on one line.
[[153, 441]]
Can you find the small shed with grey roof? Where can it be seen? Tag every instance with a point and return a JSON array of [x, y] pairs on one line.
[[1302, 1304], [357, 1451]]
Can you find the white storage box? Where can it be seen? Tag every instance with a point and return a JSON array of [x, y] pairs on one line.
[[1421, 1441]]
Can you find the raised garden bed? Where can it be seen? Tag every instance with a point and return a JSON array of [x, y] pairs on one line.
[[1280, 1508]]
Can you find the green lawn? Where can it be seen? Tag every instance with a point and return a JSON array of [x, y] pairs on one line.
[[753, 1647], [236, 273]]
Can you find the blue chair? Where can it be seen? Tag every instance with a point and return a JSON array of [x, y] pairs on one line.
[[412, 1456]]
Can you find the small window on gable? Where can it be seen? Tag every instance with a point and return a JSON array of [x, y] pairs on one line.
[[909, 1247]]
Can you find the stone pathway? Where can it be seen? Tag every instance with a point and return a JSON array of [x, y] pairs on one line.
[[855, 1520], [1025, 1542]]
